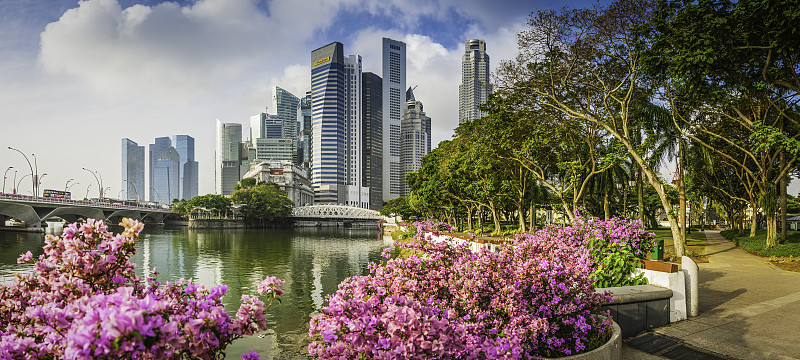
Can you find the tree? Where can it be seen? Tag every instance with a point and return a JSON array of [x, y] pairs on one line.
[[263, 203], [585, 65], [245, 183], [398, 206], [210, 202], [729, 71]]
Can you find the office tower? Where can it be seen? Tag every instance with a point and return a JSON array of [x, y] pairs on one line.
[[475, 87], [336, 127], [304, 133], [264, 125], [285, 105], [415, 132], [132, 185], [271, 149], [184, 144], [164, 171], [372, 137], [394, 85], [227, 157]]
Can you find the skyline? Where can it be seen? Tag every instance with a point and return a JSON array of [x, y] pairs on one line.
[[80, 76]]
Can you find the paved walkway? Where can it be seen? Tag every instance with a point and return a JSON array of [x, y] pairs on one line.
[[748, 308]]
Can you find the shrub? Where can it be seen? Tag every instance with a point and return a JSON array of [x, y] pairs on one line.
[[531, 300], [616, 245], [83, 301]]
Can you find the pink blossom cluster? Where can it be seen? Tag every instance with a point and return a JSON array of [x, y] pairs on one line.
[[533, 299], [83, 301]]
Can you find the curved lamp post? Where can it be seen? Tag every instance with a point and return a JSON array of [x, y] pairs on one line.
[[66, 186], [99, 182], [134, 189], [159, 195], [87, 192], [4, 178], [20, 182], [33, 180], [39, 184]]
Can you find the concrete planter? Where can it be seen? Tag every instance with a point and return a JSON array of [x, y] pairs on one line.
[[612, 350]]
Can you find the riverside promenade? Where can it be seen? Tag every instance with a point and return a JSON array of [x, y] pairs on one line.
[[749, 309]]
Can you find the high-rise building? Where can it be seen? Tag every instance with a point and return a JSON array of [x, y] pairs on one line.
[[394, 86], [475, 87], [133, 186], [272, 149], [184, 144], [164, 171], [264, 125], [227, 157], [415, 133], [304, 133], [372, 137], [336, 127], [285, 105]]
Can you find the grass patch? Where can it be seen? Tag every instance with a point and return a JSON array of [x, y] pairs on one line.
[[757, 244], [695, 245]]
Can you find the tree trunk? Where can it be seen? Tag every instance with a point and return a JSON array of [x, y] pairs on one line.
[[606, 205], [753, 220], [532, 220], [640, 194], [783, 184], [495, 217], [772, 233], [521, 214], [681, 192]]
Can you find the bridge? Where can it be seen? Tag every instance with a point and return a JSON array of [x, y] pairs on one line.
[[33, 210], [334, 215]]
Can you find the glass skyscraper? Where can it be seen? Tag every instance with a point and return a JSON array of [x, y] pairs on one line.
[[164, 171], [227, 157], [133, 161], [372, 137], [475, 87], [336, 127], [394, 87], [188, 168], [415, 135], [304, 134], [285, 105]]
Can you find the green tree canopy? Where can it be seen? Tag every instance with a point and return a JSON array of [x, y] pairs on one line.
[[262, 203]]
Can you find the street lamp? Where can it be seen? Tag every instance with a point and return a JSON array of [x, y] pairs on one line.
[[106, 189], [14, 182], [99, 182], [4, 178], [66, 186], [35, 176], [39, 184], [134, 189], [159, 195], [20, 181], [70, 187], [33, 181], [87, 192]]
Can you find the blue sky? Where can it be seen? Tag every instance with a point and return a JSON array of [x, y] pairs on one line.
[[76, 77]]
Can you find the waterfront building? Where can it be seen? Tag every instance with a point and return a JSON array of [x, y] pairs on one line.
[[184, 144], [415, 132], [133, 161], [394, 85], [291, 178], [336, 127], [227, 157], [304, 133], [372, 137], [475, 87], [164, 171]]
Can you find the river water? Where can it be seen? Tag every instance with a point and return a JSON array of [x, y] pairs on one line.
[[312, 261]]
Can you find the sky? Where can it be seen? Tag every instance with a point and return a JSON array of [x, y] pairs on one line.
[[78, 76]]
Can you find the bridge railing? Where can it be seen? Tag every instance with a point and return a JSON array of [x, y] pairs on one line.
[[109, 205]]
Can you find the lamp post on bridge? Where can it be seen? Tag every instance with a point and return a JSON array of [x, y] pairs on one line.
[[134, 189], [99, 182], [87, 191], [20, 182], [66, 186], [4, 178], [39, 184], [33, 180], [159, 195]]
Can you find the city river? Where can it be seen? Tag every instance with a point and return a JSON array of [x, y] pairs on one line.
[[312, 261]]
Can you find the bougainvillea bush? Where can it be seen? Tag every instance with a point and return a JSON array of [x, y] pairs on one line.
[[616, 247], [83, 301], [531, 300]]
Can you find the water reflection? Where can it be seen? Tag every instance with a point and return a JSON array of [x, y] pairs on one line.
[[312, 261]]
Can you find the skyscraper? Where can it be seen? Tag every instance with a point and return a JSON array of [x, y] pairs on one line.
[[415, 133], [184, 144], [132, 170], [227, 157], [475, 87], [264, 125], [372, 137], [394, 85], [336, 127], [285, 105], [304, 133], [164, 171]]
